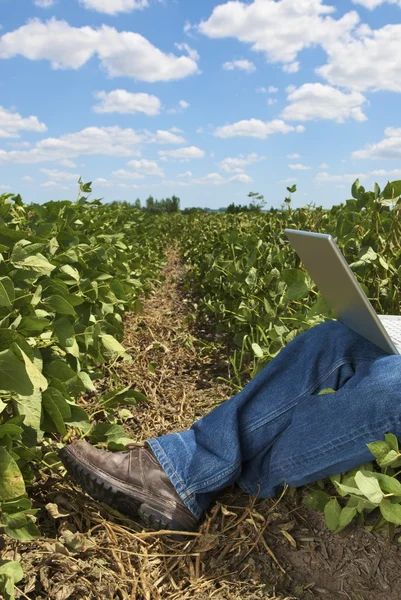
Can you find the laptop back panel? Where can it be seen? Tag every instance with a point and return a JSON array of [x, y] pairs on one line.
[[339, 286]]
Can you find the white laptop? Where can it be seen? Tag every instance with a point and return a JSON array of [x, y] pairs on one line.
[[342, 292]]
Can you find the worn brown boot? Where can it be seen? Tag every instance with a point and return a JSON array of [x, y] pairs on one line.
[[132, 482]]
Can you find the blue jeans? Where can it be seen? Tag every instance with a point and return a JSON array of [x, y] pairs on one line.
[[279, 431]]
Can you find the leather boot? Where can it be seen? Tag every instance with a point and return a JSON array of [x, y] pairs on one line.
[[132, 482]]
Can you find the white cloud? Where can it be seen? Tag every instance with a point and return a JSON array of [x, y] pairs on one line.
[[183, 153], [367, 61], [324, 166], [121, 53], [146, 167], [293, 156], [291, 67], [131, 186], [288, 180], [110, 141], [165, 137], [236, 165], [67, 163], [124, 102], [112, 7], [261, 90], [209, 179], [5, 187], [272, 89], [299, 167], [54, 185], [175, 130], [60, 175], [12, 122], [242, 65], [101, 182], [182, 105], [28, 178], [271, 101], [241, 178], [44, 3], [19, 144], [372, 4], [281, 30], [351, 177], [389, 147], [217, 179], [190, 51], [254, 128], [124, 174], [185, 174], [314, 101]]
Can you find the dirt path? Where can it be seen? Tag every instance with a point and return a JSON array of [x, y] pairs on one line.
[[245, 550]]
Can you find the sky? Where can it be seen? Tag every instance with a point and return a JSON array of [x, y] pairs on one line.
[[203, 99]]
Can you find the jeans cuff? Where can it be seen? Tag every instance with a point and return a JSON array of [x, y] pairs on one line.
[[168, 468]]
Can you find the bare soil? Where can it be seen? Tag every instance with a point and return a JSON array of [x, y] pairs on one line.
[[246, 549]]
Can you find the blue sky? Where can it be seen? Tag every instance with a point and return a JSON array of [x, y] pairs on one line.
[[203, 99]]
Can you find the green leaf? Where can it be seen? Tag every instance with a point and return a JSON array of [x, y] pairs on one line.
[[392, 441], [122, 397], [111, 344], [370, 487], [389, 484], [66, 336], [13, 374], [7, 294], [257, 350], [346, 516], [57, 409], [19, 526], [39, 382], [105, 432], [316, 500], [14, 431], [391, 512], [354, 189], [31, 407], [347, 489], [33, 325], [388, 459], [326, 391], [332, 512], [11, 481], [10, 574], [60, 305], [291, 276], [37, 263], [71, 271], [297, 291], [392, 190], [379, 449]]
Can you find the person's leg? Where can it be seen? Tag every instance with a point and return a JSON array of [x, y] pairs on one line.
[[277, 430]]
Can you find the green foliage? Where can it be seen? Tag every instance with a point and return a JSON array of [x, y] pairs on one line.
[[68, 272]]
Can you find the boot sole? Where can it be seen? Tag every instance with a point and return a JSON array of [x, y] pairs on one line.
[[105, 491]]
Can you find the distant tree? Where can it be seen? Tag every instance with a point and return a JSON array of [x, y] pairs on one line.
[[257, 201], [137, 203]]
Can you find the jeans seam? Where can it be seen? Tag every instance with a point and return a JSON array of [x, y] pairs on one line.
[[314, 385], [196, 487], [179, 485], [338, 442]]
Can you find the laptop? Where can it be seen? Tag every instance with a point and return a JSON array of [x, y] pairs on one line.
[[342, 292]]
